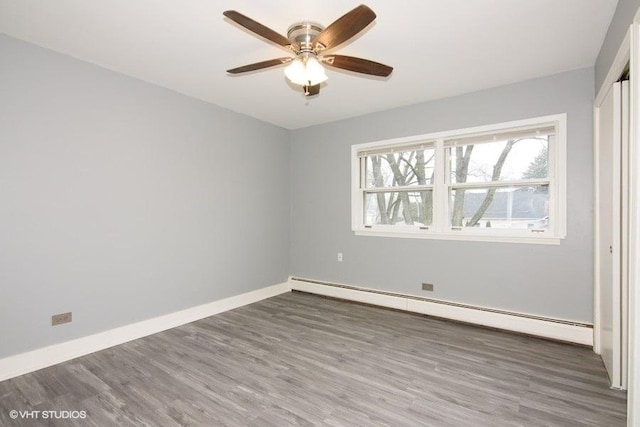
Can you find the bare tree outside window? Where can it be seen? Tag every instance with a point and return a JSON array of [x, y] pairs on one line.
[[512, 160], [499, 182], [415, 168], [401, 170]]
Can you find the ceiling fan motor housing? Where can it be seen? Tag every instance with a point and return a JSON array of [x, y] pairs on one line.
[[303, 33]]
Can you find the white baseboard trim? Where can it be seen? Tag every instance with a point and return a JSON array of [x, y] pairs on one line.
[[562, 330], [34, 360]]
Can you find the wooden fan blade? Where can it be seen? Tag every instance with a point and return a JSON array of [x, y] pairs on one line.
[[311, 90], [358, 65], [257, 28], [344, 28], [259, 65]]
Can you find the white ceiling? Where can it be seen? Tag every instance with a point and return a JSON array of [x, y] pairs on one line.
[[438, 48]]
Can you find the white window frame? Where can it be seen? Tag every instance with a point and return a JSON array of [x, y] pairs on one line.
[[440, 229]]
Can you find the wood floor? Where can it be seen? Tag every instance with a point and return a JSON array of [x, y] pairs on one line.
[[300, 359]]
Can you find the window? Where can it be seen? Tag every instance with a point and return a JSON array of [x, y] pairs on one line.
[[503, 182]]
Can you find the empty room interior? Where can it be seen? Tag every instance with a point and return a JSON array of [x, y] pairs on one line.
[[236, 213]]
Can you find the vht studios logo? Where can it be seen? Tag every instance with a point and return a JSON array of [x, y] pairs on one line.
[[48, 415]]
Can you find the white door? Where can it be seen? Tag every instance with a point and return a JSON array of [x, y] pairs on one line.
[[625, 127], [611, 248]]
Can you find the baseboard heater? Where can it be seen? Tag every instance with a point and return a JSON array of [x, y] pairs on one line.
[[558, 329]]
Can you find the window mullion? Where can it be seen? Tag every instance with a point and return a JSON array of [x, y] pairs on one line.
[[440, 205], [553, 177], [358, 205]]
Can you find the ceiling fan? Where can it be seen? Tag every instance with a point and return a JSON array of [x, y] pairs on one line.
[[309, 42]]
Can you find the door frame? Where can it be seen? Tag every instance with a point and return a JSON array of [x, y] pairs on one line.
[[628, 52], [633, 396], [617, 68]]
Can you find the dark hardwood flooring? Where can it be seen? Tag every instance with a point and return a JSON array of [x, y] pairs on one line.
[[300, 359]]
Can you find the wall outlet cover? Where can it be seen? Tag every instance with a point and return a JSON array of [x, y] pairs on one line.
[[59, 319]]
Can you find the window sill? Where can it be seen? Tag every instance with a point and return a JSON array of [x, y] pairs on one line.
[[460, 236]]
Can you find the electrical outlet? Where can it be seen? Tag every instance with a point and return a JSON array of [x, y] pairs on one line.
[[339, 256], [59, 319], [427, 287]]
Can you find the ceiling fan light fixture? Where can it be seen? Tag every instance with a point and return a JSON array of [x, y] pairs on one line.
[[305, 71]]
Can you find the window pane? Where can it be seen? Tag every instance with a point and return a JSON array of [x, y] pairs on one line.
[[398, 208], [404, 168], [513, 208], [505, 160]]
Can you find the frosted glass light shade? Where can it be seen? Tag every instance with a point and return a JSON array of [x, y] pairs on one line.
[[296, 72], [315, 71], [309, 72]]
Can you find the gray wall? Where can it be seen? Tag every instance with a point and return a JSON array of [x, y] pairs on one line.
[[121, 201], [622, 19], [546, 280]]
